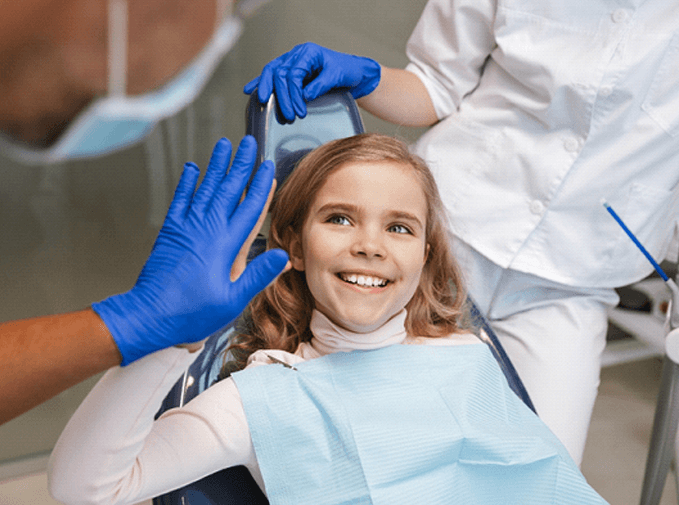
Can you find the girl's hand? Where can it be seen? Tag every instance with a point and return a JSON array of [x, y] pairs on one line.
[[240, 262]]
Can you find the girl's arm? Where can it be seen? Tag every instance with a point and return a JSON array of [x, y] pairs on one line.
[[112, 451]]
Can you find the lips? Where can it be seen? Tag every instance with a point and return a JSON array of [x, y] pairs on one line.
[[367, 281]]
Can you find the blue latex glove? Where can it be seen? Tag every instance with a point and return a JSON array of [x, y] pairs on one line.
[[184, 292], [309, 71]]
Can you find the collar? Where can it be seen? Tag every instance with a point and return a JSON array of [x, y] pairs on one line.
[[329, 338]]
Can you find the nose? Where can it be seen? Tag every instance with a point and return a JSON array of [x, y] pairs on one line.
[[369, 243]]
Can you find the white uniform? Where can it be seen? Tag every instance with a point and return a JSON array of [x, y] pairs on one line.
[[547, 107]]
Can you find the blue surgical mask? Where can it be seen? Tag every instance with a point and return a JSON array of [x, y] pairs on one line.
[[118, 121]]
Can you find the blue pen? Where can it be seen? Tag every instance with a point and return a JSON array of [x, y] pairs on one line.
[[636, 241], [670, 283]]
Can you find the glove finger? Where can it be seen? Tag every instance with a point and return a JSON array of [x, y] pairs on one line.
[[327, 65], [246, 215], [181, 201], [216, 170], [295, 80], [303, 64], [257, 194], [259, 274], [328, 79], [251, 86], [283, 97], [265, 86], [232, 187]]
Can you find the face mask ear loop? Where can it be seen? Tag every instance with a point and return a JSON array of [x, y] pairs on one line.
[[117, 47], [224, 10], [191, 132]]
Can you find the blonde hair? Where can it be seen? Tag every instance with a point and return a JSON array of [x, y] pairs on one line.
[[279, 317]]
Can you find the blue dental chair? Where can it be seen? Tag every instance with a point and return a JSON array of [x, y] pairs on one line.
[[334, 115]]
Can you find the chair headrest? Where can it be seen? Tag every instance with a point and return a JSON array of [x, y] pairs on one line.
[[329, 117]]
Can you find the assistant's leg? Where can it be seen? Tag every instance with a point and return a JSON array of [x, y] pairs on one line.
[[556, 349], [553, 334]]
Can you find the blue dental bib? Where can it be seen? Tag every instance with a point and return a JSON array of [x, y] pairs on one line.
[[401, 425]]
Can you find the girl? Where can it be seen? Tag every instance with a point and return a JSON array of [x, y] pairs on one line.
[[344, 412], [433, 294]]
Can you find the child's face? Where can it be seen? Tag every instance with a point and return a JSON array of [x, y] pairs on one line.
[[363, 244]]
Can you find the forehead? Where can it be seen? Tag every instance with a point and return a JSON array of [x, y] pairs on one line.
[[384, 184]]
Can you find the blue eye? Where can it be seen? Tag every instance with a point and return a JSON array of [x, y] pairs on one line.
[[399, 228], [337, 219]]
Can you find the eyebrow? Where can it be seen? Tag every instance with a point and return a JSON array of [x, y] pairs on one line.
[[350, 208]]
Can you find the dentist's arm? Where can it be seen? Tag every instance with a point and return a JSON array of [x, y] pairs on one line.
[[43, 356], [309, 70], [183, 295]]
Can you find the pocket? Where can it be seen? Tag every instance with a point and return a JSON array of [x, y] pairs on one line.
[[662, 100]]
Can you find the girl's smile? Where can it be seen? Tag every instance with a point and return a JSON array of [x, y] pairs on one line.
[[362, 245], [363, 280]]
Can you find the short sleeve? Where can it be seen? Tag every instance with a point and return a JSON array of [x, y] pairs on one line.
[[449, 47]]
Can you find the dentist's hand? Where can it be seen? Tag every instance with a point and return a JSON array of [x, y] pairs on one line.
[[184, 292], [308, 71]]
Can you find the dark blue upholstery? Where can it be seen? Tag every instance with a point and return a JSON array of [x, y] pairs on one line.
[[481, 323], [331, 116]]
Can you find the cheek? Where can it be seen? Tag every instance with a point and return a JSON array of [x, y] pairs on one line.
[[318, 250], [416, 268], [419, 259], [417, 281]]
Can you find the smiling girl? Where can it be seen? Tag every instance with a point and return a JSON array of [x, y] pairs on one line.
[[365, 228], [358, 413]]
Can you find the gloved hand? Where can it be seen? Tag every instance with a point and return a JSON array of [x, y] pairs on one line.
[[308, 71], [184, 292]]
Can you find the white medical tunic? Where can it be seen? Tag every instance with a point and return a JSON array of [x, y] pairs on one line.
[[547, 107]]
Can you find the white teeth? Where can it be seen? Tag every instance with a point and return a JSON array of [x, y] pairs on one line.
[[364, 280]]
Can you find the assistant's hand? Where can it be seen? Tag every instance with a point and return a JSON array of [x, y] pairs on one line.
[[309, 71], [184, 292]]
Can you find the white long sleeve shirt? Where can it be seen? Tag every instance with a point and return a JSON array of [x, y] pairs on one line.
[[547, 107], [112, 451]]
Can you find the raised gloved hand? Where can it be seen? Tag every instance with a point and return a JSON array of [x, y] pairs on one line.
[[184, 292], [308, 71]]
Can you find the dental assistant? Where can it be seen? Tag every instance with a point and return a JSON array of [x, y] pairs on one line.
[[539, 109], [190, 287]]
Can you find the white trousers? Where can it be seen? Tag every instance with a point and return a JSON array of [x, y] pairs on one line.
[[553, 334]]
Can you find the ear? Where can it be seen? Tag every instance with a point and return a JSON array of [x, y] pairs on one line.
[[296, 253], [427, 248]]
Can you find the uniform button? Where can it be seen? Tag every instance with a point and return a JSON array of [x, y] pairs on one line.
[[619, 15], [606, 91], [537, 207], [571, 144]]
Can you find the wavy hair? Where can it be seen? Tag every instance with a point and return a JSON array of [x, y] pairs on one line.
[[279, 317]]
